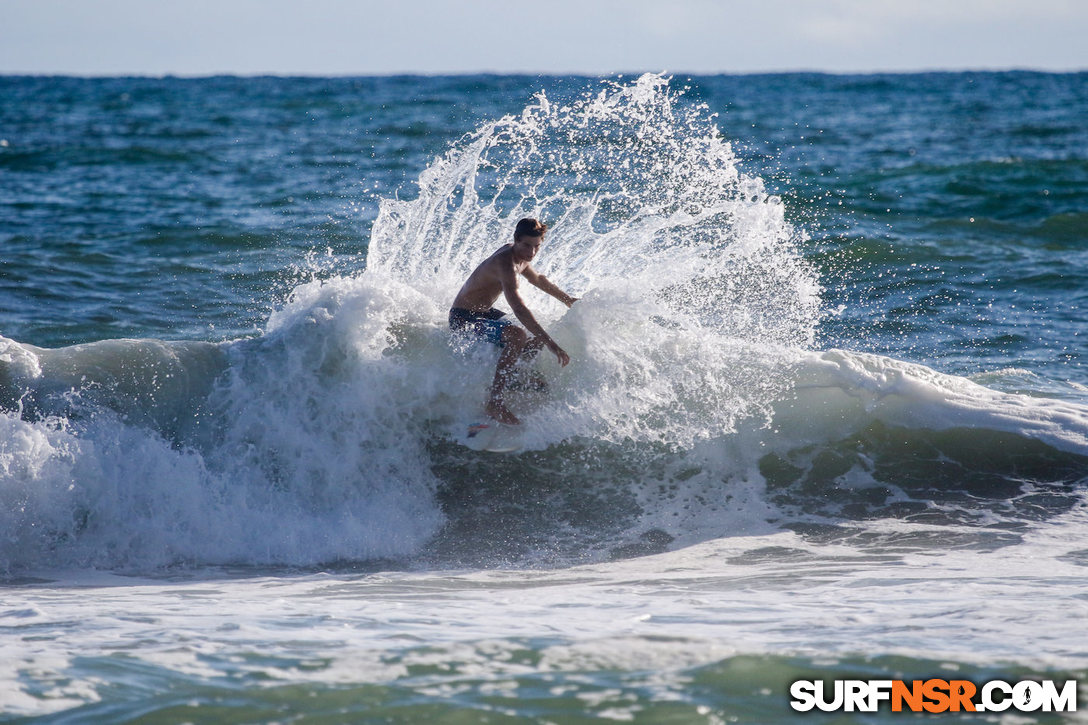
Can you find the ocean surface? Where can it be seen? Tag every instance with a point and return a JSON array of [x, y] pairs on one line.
[[826, 415]]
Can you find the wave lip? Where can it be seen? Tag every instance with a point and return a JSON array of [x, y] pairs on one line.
[[153, 383], [838, 392]]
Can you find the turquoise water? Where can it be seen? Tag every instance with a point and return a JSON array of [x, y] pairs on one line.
[[827, 413]]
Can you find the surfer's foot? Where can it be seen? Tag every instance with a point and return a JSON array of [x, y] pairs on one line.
[[499, 412]]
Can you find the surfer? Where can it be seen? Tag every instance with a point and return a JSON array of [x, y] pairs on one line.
[[472, 310]]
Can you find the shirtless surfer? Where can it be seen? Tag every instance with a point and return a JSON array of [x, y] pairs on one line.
[[472, 310]]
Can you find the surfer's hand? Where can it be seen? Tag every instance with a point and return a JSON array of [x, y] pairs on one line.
[[572, 301], [560, 354]]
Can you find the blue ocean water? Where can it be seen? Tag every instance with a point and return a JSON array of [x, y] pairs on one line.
[[827, 414]]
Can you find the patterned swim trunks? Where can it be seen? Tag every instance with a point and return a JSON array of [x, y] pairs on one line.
[[487, 325]]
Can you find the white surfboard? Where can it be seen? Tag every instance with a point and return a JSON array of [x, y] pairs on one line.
[[489, 435]]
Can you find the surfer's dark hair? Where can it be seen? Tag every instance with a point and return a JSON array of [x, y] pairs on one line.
[[529, 227]]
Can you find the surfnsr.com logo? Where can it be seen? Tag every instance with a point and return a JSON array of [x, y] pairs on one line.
[[934, 696]]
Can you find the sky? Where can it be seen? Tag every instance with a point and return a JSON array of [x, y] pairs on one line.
[[365, 37]]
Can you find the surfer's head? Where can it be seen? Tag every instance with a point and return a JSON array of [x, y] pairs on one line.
[[529, 227], [528, 235]]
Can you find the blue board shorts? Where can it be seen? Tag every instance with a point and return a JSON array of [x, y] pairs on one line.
[[485, 325]]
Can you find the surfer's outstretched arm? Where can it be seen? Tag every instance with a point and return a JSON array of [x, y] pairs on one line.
[[543, 283], [525, 317]]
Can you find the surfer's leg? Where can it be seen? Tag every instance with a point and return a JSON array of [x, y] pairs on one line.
[[526, 378], [531, 348], [514, 340]]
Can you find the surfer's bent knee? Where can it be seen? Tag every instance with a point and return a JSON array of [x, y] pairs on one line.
[[514, 335]]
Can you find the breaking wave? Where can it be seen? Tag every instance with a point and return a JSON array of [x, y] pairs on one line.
[[331, 436]]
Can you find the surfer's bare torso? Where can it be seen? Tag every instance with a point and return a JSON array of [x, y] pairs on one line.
[[498, 275], [483, 287]]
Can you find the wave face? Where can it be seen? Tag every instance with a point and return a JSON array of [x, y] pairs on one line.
[[694, 406]]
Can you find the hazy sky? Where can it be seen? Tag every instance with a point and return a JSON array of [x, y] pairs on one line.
[[335, 37]]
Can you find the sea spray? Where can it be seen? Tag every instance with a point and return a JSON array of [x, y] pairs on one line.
[[694, 293], [639, 188]]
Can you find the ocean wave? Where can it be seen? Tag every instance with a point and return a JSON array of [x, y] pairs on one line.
[[332, 437], [693, 400]]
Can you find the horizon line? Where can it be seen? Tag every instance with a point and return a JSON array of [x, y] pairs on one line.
[[542, 74]]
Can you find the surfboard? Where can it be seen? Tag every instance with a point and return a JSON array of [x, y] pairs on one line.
[[493, 437]]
